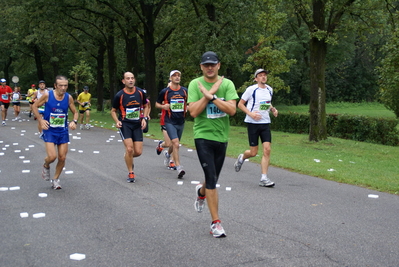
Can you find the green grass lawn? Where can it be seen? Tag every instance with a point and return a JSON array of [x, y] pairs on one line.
[[365, 109], [345, 161]]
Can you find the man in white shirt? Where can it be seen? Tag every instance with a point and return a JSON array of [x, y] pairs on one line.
[[256, 103]]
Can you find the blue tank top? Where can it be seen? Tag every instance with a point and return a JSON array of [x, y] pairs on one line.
[[56, 113]]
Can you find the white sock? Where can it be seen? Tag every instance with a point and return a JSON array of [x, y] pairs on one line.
[[264, 177]]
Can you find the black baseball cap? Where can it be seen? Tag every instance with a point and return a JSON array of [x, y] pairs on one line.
[[85, 87], [41, 81], [209, 58]]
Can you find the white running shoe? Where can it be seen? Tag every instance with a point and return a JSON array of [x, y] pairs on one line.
[[200, 201], [167, 158], [180, 172], [56, 184], [81, 127], [87, 126], [217, 229], [266, 183], [46, 173], [238, 163]]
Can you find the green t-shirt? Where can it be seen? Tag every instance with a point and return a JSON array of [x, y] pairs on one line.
[[212, 124]]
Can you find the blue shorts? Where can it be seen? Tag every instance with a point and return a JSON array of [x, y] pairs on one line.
[[174, 130], [131, 130], [55, 137]]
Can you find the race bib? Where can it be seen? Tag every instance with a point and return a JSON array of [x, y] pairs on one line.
[[264, 105], [177, 105], [57, 120], [213, 112], [133, 114], [4, 97], [15, 97]]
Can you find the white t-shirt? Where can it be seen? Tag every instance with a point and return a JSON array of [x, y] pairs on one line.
[[258, 99]]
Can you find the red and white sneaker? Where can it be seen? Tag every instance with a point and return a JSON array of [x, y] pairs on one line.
[[217, 229]]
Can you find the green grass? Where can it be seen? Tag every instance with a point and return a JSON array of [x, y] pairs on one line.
[[366, 109], [361, 164]]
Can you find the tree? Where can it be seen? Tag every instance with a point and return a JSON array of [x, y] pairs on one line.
[[265, 54], [389, 75]]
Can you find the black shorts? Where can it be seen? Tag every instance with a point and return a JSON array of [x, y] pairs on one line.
[[6, 105], [211, 155], [131, 130], [258, 130], [83, 111], [16, 103]]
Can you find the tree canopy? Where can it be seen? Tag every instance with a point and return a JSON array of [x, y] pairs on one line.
[[315, 50]]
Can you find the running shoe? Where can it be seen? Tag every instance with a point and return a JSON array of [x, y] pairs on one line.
[[266, 183], [180, 172], [167, 158], [4, 123], [81, 127], [217, 229], [46, 173], [130, 178], [159, 148], [56, 184], [238, 163], [87, 126], [200, 201], [172, 165]]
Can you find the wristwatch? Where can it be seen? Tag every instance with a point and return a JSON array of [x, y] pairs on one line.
[[75, 121], [214, 97]]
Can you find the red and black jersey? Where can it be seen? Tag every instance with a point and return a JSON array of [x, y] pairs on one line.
[[130, 105], [177, 99]]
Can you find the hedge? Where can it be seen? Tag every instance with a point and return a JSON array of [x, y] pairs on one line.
[[360, 128]]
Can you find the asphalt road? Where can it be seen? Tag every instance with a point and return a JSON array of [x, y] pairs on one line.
[[302, 221]]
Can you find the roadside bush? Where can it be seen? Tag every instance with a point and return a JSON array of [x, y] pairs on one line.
[[359, 128]]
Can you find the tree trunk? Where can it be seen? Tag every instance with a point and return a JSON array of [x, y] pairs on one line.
[[132, 55], [113, 82], [39, 63], [150, 71], [317, 107], [54, 63], [318, 51], [100, 76]]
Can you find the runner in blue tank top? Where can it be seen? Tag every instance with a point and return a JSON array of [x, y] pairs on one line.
[[55, 126]]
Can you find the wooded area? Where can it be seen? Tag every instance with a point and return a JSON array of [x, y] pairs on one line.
[[316, 50]]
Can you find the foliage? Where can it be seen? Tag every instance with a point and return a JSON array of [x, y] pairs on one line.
[[82, 73], [389, 75], [43, 38], [265, 54]]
